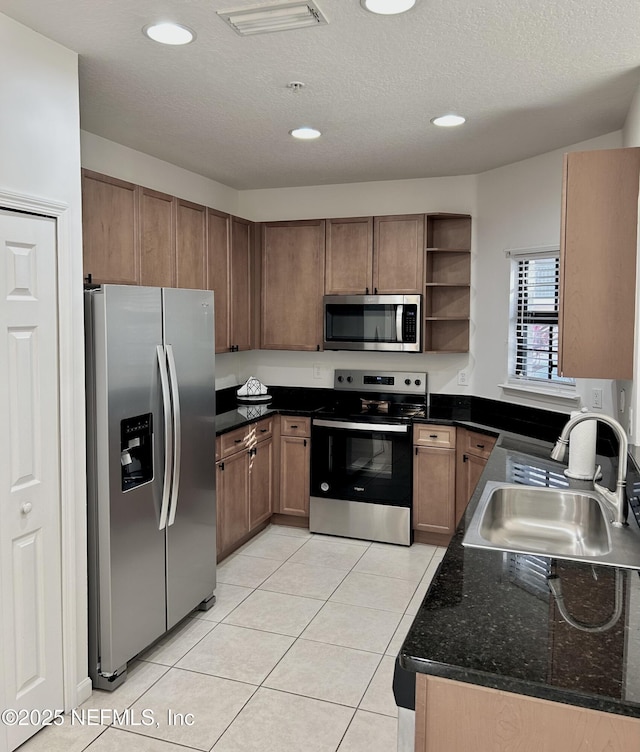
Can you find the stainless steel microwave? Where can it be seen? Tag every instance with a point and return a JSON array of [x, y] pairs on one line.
[[388, 323]]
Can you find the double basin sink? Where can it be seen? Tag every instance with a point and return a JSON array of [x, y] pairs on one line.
[[560, 523]]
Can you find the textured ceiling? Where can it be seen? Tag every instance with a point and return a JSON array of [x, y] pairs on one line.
[[529, 75]]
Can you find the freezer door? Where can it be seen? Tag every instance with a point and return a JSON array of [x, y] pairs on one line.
[[127, 548], [191, 527]]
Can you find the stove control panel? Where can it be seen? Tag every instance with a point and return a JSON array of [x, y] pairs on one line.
[[396, 382]]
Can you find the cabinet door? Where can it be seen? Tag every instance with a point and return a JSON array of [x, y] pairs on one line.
[[261, 483], [398, 250], [434, 478], [292, 285], [218, 273], [232, 499], [349, 256], [294, 475], [241, 239], [598, 263], [468, 471], [190, 245], [157, 239], [110, 229]]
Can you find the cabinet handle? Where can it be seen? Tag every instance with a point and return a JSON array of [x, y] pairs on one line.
[[305, 442], [433, 435], [464, 458], [263, 430], [252, 452], [375, 290], [221, 466], [237, 441], [416, 448], [317, 348], [480, 446], [87, 279], [366, 290]]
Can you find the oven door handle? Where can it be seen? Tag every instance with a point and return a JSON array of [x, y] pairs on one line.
[[370, 427]]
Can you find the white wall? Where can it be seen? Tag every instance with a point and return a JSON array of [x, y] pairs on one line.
[[454, 194], [519, 206], [630, 415], [40, 157], [105, 156]]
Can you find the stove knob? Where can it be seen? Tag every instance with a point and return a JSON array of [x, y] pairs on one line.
[[324, 487], [341, 379], [418, 382], [349, 379], [407, 382]]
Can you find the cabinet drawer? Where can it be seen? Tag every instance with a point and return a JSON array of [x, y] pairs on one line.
[[234, 441], [292, 425], [263, 429], [434, 436], [477, 443]]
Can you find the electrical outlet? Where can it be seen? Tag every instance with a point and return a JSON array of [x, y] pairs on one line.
[[317, 370], [596, 399], [463, 379]]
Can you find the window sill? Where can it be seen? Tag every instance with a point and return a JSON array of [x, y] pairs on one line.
[[564, 397]]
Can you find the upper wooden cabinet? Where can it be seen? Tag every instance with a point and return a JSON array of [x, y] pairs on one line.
[[349, 256], [219, 274], [598, 246], [292, 285], [191, 236], [157, 239], [240, 292], [375, 255], [110, 229], [229, 268]]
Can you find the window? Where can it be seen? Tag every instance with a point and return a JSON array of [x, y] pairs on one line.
[[533, 335]]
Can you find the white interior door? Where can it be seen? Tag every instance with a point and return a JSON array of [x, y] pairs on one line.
[[30, 574]]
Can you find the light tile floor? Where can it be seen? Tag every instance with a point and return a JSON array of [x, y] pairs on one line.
[[297, 654]]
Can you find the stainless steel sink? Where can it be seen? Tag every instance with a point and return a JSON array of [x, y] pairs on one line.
[[559, 523]]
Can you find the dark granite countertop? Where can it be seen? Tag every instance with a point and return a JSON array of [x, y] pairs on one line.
[[489, 618]]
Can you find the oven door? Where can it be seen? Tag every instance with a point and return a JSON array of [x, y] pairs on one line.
[[361, 461]]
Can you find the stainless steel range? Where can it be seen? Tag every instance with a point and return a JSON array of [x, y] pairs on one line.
[[361, 463]]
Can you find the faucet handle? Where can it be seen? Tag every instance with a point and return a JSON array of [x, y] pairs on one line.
[[597, 474]]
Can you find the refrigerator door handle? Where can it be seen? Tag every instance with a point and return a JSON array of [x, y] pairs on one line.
[[168, 435], [177, 436]]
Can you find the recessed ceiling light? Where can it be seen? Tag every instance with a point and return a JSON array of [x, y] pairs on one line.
[[305, 133], [448, 121], [387, 7], [169, 33]]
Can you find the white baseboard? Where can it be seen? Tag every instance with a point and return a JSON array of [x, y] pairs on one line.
[[84, 690]]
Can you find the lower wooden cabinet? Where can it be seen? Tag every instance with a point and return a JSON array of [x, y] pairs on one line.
[[295, 457], [498, 720], [434, 478], [473, 451], [244, 484]]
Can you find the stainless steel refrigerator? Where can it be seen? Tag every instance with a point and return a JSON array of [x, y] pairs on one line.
[[151, 467]]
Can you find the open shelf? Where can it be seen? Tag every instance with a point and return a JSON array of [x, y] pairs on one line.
[[447, 283], [446, 335]]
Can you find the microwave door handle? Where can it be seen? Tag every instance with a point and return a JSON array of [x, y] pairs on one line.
[[168, 435], [399, 317]]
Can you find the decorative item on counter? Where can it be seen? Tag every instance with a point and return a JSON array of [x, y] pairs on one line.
[[253, 391], [582, 449]]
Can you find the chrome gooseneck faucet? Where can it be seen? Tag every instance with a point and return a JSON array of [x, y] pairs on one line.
[[616, 499]]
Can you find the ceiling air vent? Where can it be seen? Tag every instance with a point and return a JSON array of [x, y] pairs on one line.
[[260, 19]]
